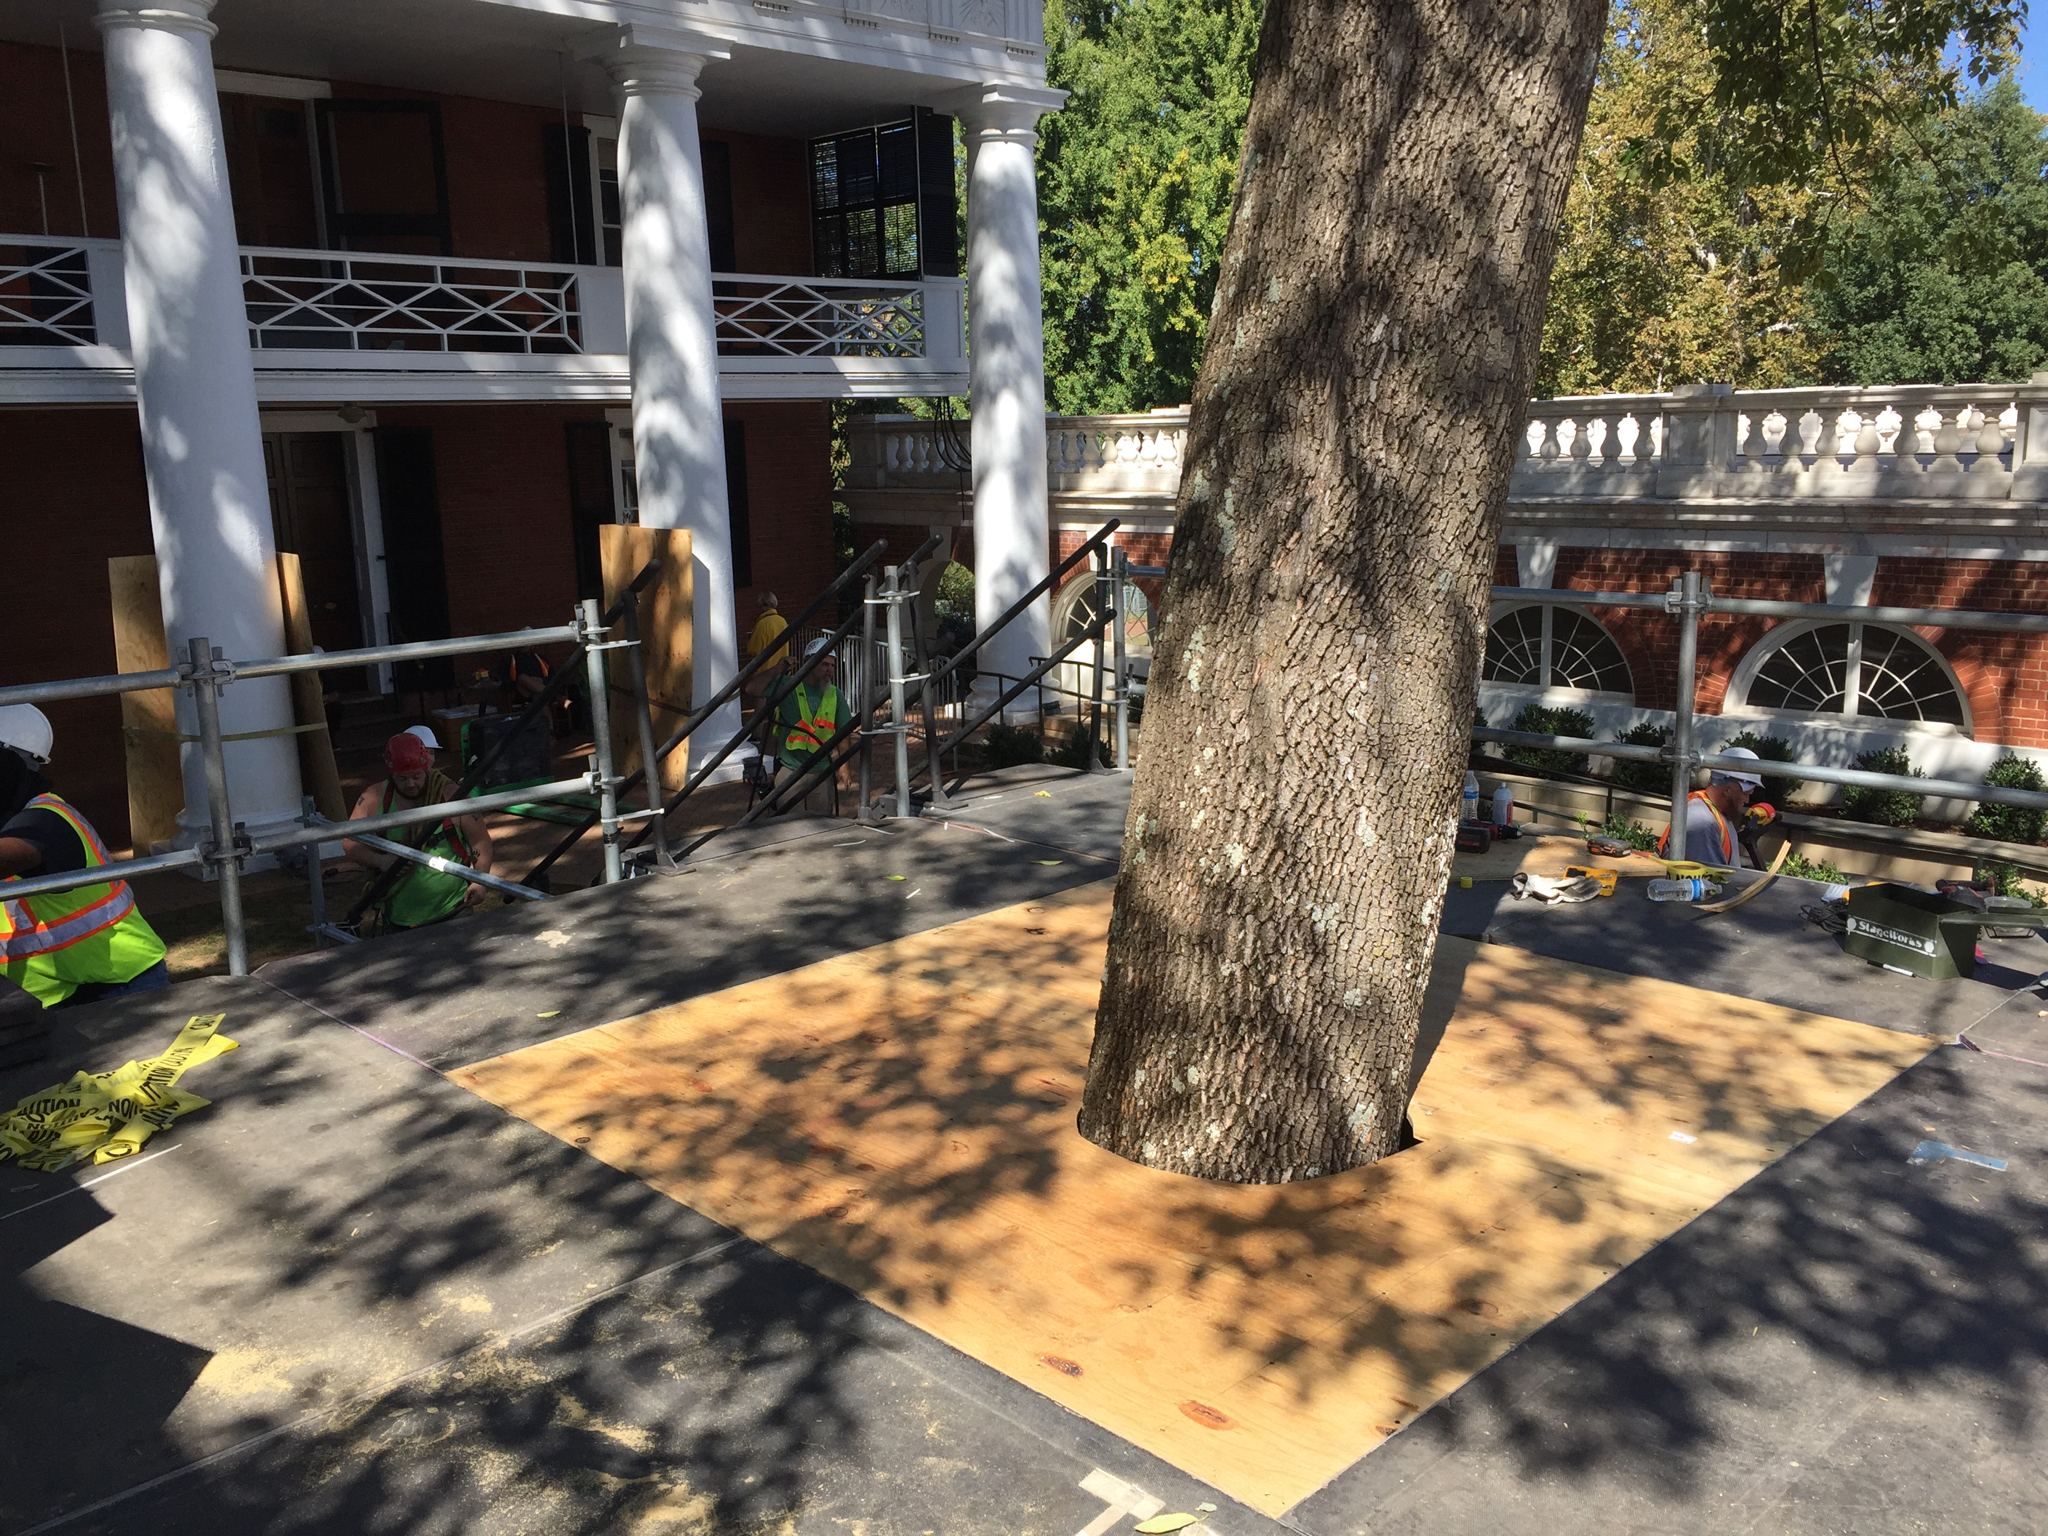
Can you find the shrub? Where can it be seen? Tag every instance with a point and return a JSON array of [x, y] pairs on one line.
[[1812, 869], [1778, 788], [1073, 752], [1006, 746], [2010, 823], [2006, 878], [1884, 807], [1621, 828], [1551, 722], [1644, 778]]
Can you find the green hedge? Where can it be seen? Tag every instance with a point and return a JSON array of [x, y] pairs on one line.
[[1542, 721], [1778, 788], [1884, 807], [2011, 823], [1644, 778]]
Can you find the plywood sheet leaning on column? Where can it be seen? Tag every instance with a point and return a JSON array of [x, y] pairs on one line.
[[902, 1120], [317, 771], [667, 609], [149, 721]]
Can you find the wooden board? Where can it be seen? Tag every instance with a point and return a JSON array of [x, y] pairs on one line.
[[318, 775], [666, 638], [149, 721], [902, 1120]]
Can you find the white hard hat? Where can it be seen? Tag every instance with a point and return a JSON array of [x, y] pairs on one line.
[[26, 729], [424, 735], [816, 646], [1746, 780]]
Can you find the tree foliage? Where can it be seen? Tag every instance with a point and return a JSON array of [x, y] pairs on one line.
[[1945, 276], [1135, 185]]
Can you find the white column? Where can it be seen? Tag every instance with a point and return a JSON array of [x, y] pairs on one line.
[[678, 427], [195, 389], [1006, 372]]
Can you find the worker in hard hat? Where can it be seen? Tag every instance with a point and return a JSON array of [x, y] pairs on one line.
[[1714, 816], [64, 947], [419, 895]]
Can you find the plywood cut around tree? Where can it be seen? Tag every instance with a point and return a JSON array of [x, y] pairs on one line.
[[149, 720], [902, 1120], [666, 639]]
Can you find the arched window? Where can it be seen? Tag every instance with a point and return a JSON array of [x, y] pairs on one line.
[[1075, 608], [1546, 645], [1874, 671]]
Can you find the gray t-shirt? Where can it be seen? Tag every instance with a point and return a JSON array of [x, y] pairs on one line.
[[1703, 836]]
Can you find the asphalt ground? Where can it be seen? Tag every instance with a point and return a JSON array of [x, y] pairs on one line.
[[350, 1296]]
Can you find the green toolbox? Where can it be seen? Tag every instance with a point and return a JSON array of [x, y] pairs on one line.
[[1907, 929]]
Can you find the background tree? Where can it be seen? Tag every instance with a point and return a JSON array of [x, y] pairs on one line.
[[1670, 269], [1375, 334], [1944, 277], [1135, 183]]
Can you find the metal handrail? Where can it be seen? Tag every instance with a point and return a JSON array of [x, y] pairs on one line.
[[23, 887], [1855, 778], [276, 666], [1933, 618]]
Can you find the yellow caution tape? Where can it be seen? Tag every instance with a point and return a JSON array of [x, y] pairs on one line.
[[108, 1115]]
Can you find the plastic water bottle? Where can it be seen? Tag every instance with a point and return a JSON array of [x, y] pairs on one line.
[[1470, 810], [1691, 889], [1503, 805]]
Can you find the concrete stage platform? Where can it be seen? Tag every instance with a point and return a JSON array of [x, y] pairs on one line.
[[353, 1296]]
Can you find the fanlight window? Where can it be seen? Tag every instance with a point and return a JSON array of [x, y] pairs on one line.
[[1542, 645], [1856, 669], [1079, 602]]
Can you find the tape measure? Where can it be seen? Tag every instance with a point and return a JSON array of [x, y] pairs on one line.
[[109, 1115]]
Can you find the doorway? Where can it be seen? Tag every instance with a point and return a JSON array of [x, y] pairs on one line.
[[312, 512]]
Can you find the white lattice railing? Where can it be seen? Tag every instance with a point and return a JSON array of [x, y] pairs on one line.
[[818, 317], [324, 300], [45, 294]]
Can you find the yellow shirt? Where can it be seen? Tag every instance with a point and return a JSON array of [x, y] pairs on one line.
[[766, 628]]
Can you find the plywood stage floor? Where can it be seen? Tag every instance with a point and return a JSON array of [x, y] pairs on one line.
[[902, 1120]]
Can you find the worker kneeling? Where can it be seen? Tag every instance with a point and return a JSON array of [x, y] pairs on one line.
[[65, 947], [413, 895], [1716, 816]]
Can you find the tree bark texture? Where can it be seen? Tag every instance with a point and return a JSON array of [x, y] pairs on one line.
[[1369, 356]]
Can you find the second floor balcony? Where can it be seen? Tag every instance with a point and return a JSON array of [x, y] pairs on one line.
[[329, 325]]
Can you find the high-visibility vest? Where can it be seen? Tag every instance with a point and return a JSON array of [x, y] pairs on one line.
[[53, 944], [420, 895], [1720, 825], [813, 726]]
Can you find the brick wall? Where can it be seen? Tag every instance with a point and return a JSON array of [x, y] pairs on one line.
[[789, 500], [771, 203], [72, 497], [36, 129], [1650, 640], [2004, 676]]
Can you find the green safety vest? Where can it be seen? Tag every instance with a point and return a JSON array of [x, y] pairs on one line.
[[56, 943], [421, 895], [813, 726]]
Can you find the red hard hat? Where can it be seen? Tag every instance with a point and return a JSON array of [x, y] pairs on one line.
[[406, 753]]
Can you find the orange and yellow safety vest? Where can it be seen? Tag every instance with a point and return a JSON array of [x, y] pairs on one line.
[[1727, 833], [53, 944]]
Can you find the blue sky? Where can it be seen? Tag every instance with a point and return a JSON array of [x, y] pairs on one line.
[[2034, 57]]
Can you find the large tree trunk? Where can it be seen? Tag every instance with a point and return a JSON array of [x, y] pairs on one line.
[[1354, 424]]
